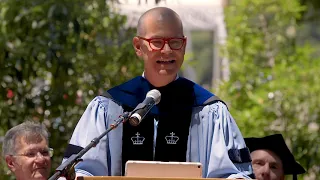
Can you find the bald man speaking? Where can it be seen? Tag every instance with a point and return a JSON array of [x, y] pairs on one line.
[[198, 122]]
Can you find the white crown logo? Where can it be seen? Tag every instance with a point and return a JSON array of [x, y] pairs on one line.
[[172, 139], [137, 140]]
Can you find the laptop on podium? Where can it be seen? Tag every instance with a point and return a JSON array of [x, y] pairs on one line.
[[163, 169]]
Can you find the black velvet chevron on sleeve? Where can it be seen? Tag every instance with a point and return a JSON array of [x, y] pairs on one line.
[[239, 155], [72, 149]]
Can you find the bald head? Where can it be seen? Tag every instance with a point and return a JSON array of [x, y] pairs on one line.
[[159, 15]]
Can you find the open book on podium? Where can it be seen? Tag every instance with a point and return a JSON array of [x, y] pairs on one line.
[[155, 170]]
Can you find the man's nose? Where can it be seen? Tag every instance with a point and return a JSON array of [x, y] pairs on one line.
[[40, 157], [265, 171], [166, 48]]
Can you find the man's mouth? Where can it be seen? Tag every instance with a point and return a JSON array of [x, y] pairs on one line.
[[166, 61], [40, 168]]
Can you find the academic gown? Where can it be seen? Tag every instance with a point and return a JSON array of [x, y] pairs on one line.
[[212, 136]]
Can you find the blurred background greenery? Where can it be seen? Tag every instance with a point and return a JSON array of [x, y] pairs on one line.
[[274, 48], [56, 55]]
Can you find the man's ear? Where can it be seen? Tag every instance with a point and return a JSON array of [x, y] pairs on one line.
[[10, 162], [137, 46], [185, 45]]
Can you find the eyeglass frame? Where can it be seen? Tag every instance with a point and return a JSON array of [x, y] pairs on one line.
[[50, 150], [166, 41]]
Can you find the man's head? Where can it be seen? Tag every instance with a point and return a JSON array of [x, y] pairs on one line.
[[26, 152], [271, 158], [161, 43], [267, 165]]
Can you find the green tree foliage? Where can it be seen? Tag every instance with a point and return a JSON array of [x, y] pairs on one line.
[[274, 83], [55, 56]]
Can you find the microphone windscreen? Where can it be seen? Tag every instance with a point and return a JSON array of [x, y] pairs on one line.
[[154, 94]]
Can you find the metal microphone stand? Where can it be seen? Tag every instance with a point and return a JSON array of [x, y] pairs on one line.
[[66, 169]]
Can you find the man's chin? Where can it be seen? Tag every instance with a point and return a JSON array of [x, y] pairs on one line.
[[41, 174], [167, 72]]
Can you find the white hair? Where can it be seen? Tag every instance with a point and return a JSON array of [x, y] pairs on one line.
[[31, 131]]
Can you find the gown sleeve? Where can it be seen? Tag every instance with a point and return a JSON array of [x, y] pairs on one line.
[[216, 141], [105, 158]]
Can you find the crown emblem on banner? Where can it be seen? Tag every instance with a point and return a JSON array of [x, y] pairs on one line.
[[172, 139], [137, 140]]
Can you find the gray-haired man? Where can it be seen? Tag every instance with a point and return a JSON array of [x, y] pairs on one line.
[[26, 152]]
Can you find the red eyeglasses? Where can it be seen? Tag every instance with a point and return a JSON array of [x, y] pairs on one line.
[[158, 43]]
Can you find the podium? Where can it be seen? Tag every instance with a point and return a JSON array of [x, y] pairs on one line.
[[140, 178]]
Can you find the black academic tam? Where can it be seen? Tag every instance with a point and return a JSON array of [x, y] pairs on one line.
[[276, 144]]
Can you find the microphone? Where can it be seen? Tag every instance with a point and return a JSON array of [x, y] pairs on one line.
[[152, 98]]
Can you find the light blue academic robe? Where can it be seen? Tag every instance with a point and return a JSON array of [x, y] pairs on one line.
[[213, 134]]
